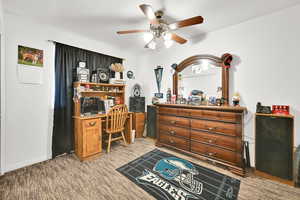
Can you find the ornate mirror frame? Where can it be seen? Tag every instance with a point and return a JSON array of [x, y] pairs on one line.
[[224, 62]]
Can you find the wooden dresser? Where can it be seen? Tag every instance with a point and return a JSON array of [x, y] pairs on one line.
[[213, 133]]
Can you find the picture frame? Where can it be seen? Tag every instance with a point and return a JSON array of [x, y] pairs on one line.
[[30, 56]]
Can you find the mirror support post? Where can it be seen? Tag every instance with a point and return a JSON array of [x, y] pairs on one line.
[[175, 84], [225, 85]]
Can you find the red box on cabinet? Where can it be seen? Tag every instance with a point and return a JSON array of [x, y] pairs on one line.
[[281, 109]]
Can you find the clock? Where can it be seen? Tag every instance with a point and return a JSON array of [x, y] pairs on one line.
[[130, 75], [103, 75]]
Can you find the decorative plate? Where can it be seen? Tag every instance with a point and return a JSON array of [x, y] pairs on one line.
[[136, 90], [130, 75]]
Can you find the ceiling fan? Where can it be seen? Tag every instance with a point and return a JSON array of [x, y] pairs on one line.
[[160, 29]]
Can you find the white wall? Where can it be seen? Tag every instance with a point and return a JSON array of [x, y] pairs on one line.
[[266, 63], [29, 108], [2, 109]]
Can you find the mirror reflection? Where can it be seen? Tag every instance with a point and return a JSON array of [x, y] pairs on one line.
[[201, 81]]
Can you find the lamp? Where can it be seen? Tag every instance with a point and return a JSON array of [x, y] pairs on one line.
[[168, 39]]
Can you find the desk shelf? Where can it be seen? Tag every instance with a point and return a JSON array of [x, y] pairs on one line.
[[103, 92], [76, 84]]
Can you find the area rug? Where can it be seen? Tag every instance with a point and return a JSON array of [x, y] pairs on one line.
[[168, 177]]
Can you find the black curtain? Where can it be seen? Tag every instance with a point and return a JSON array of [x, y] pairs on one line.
[[66, 62]]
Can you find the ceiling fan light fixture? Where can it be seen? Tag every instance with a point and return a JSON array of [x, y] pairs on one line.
[[168, 43], [160, 32], [152, 45], [148, 36], [173, 26], [167, 36]]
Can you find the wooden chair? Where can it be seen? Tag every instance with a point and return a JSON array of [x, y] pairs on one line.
[[115, 124]]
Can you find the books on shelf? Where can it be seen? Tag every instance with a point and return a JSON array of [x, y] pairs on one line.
[[116, 81]]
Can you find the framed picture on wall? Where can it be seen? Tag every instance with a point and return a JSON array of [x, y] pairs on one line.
[[30, 56]]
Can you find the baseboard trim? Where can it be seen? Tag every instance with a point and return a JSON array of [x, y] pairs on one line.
[[26, 163], [274, 178]]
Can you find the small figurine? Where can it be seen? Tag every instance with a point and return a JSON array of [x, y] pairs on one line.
[[212, 100], [169, 95], [236, 99], [219, 93]]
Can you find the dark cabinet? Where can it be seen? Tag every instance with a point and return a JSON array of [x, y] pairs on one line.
[[274, 145], [137, 104], [151, 121]]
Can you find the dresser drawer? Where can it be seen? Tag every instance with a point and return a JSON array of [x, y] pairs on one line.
[[174, 121], [217, 127], [216, 153], [174, 131], [174, 111], [174, 141], [217, 115], [231, 143], [91, 123]]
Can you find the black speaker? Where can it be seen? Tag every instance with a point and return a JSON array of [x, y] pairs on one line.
[[151, 121], [274, 145], [137, 104]]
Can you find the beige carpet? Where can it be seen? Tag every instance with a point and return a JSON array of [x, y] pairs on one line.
[[67, 178]]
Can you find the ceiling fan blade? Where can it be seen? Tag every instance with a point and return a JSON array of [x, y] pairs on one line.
[[148, 11], [186, 22], [178, 39], [131, 31]]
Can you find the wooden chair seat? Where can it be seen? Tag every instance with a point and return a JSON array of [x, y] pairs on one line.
[[115, 124]]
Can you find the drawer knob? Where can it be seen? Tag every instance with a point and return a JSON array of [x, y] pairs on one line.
[[172, 141], [212, 154], [209, 140], [211, 128], [92, 123], [173, 122], [172, 132]]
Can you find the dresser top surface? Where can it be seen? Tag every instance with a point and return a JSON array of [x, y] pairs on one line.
[[204, 107]]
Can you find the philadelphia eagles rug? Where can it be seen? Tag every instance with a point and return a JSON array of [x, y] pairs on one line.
[[168, 177]]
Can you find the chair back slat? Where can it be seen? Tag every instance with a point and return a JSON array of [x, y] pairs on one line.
[[116, 118]]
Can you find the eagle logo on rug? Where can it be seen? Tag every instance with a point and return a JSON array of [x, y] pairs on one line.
[[169, 170]]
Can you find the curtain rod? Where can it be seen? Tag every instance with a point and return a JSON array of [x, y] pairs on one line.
[[53, 41]]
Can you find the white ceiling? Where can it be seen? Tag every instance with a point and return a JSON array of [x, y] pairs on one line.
[[100, 19]]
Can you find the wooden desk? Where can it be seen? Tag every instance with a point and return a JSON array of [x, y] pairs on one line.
[[88, 135]]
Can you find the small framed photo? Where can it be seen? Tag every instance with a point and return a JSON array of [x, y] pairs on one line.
[[30, 56]]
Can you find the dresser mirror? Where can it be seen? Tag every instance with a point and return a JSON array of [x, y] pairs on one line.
[[203, 76]]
